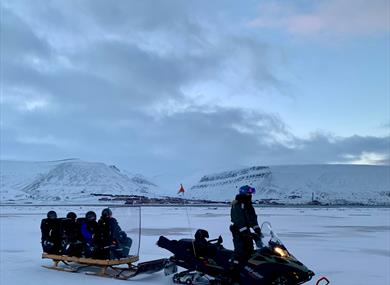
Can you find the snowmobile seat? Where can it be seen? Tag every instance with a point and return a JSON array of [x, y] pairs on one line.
[[223, 257]]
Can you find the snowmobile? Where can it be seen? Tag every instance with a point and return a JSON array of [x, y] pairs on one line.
[[208, 262]]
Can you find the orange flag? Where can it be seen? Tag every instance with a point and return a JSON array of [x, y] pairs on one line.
[[181, 190]]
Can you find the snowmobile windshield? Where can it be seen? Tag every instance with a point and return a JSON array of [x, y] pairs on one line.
[[129, 221], [271, 240]]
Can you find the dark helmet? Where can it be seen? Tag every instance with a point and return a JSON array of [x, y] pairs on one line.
[[51, 215], [71, 215], [247, 190], [90, 216], [201, 234], [106, 213]]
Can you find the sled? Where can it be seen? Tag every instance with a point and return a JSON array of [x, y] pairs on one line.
[[123, 268]]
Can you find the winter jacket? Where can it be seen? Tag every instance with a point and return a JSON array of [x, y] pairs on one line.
[[243, 215]]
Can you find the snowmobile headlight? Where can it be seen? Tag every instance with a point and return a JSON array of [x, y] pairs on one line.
[[280, 251]]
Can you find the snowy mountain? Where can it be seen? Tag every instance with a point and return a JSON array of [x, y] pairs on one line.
[[74, 180], [296, 184], [67, 180]]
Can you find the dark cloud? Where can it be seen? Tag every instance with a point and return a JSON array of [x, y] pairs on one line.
[[18, 39], [108, 82], [327, 148]]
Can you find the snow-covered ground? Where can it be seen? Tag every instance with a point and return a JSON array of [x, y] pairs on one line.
[[351, 246]]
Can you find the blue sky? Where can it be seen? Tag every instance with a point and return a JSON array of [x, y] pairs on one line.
[[174, 85]]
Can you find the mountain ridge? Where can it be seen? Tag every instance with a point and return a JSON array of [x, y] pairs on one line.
[[295, 184], [70, 180], [67, 180]]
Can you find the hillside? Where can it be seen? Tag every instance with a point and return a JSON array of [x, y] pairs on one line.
[[296, 184], [74, 181], [67, 180]]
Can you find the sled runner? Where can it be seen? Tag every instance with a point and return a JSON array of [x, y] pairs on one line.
[[120, 268]]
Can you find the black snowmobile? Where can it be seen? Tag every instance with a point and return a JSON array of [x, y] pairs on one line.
[[208, 262]]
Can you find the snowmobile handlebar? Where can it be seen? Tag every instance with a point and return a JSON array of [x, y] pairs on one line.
[[218, 240]]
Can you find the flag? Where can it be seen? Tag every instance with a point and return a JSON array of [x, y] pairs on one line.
[[181, 190]]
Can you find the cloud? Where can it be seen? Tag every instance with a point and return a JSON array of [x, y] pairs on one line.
[[119, 83], [369, 158], [334, 18], [196, 138], [18, 39], [125, 56]]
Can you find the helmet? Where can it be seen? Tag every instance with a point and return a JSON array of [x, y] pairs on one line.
[[201, 234], [106, 213], [51, 215], [90, 216], [246, 189], [71, 215]]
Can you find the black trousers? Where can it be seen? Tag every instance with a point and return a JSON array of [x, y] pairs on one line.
[[243, 246]]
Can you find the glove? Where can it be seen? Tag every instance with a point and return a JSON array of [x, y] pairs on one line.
[[257, 230], [47, 243], [259, 243]]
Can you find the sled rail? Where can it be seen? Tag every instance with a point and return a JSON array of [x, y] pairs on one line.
[[105, 268], [91, 261]]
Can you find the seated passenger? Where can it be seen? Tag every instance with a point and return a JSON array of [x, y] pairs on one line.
[[51, 234], [88, 228], [112, 242], [70, 235], [201, 244]]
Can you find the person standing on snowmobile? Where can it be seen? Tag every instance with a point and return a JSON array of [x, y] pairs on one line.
[[243, 217]]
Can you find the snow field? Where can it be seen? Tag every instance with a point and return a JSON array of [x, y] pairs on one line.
[[351, 246]]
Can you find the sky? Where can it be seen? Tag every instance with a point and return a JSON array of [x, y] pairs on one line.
[[182, 86]]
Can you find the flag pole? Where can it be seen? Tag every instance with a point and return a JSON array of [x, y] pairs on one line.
[[182, 192]]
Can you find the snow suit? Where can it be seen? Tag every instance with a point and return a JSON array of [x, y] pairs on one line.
[[87, 235], [113, 242], [71, 244], [243, 217], [51, 235]]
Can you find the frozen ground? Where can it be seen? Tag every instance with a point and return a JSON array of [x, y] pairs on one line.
[[351, 246]]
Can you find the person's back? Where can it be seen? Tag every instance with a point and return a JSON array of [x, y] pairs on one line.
[[51, 234], [70, 234]]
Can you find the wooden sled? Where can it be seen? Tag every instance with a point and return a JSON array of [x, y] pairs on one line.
[[117, 268]]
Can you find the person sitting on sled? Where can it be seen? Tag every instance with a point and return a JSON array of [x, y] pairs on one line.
[[51, 234], [88, 233], [113, 242], [243, 217], [70, 235]]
